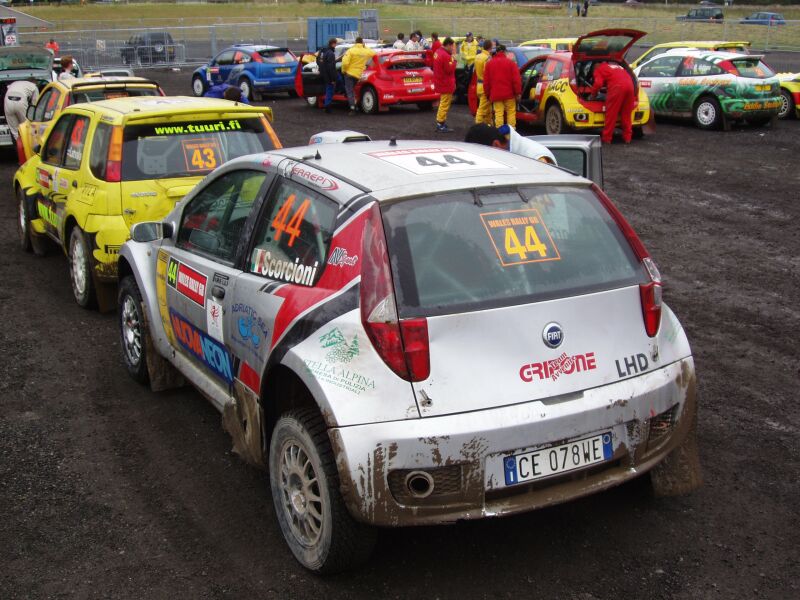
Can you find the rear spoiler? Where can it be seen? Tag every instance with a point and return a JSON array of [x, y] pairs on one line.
[[238, 112], [122, 83]]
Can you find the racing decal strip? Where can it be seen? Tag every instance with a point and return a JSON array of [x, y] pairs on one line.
[[315, 317], [354, 205], [299, 300], [358, 210]]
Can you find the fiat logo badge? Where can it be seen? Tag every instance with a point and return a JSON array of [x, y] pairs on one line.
[[553, 335]]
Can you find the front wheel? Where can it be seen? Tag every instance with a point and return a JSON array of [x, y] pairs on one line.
[[133, 329], [554, 120], [314, 521], [707, 113], [80, 268], [247, 90], [787, 105], [369, 101], [198, 87], [23, 223]]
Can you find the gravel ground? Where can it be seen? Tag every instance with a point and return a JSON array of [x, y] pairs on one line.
[[110, 491]]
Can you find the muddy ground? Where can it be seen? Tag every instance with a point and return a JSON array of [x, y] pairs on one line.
[[110, 491]]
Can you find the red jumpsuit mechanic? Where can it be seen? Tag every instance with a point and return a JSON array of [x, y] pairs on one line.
[[619, 97]]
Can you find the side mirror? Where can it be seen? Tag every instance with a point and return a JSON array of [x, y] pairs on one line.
[[29, 112], [150, 231]]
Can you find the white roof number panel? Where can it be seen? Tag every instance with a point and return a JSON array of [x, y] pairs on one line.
[[427, 161]]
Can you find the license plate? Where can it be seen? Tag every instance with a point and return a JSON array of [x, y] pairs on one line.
[[283, 70], [416, 90], [555, 460], [412, 79]]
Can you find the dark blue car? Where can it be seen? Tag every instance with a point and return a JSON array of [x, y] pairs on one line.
[[764, 18], [258, 70]]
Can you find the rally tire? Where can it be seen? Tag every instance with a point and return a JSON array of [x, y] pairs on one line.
[[707, 113], [315, 523], [246, 87], [369, 101], [787, 108], [133, 329], [23, 223], [80, 269], [554, 120], [638, 133], [198, 86]]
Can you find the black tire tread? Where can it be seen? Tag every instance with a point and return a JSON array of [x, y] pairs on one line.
[[352, 542]]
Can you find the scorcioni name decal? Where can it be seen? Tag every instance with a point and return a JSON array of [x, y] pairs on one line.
[[263, 263]]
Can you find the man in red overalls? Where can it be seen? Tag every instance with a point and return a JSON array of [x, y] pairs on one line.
[[619, 97]]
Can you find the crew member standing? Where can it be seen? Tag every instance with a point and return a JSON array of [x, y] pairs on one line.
[[19, 96], [435, 43], [469, 50], [53, 46], [66, 68], [502, 84], [327, 68], [619, 99], [444, 81], [400, 42], [484, 112], [354, 62]]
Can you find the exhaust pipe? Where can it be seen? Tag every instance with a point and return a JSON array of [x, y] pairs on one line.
[[419, 484]]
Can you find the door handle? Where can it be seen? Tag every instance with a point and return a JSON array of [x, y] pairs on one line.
[[74, 184], [129, 211], [218, 292]]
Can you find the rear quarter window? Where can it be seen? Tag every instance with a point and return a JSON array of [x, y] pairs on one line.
[[477, 250], [752, 68]]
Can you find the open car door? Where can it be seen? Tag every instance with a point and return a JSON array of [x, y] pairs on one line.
[[581, 154], [308, 81]]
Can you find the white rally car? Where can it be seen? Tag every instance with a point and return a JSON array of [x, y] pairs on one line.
[[409, 332]]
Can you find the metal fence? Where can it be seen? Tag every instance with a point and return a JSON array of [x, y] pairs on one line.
[[195, 43]]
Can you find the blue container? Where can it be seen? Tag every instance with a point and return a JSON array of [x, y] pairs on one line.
[[320, 30]]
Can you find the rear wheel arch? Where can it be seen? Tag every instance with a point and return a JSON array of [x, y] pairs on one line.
[[124, 269], [70, 223], [282, 391]]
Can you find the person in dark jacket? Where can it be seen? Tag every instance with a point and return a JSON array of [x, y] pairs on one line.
[[502, 84], [326, 60], [229, 89]]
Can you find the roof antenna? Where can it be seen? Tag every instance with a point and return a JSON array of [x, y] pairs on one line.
[[393, 141], [317, 156]]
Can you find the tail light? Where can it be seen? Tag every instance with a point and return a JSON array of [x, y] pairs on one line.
[[256, 57], [402, 345], [114, 158], [650, 293]]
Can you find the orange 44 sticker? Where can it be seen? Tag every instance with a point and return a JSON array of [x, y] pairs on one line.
[[201, 154], [520, 237]]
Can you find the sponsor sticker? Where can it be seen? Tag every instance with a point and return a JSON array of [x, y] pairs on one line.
[[47, 213], [340, 351], [314, 178], [208, 351], [340, 258], [187, 281], [423, 161], [221, 279], [201, 154], [214, 320], [553, 369], [519, 236], [249, 329]]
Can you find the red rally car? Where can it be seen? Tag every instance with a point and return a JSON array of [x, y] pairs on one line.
[[392, 77]]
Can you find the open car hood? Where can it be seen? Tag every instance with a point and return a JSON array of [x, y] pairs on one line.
[[25, 59], [605, 44]]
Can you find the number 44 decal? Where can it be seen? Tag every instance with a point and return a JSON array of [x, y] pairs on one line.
[[519, 236], [449, 159]]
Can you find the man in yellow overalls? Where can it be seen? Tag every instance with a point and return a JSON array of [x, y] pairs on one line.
[[484, 112], [354, 62]]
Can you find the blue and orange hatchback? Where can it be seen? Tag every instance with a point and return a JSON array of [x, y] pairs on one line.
[[258, 70]]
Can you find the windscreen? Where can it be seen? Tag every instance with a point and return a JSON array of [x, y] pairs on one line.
[[752, 67], [474, 250], [111, 93], [276, 57], [183, 149], [25, 60]]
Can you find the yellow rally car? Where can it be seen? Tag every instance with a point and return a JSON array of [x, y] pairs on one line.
[[556, 87], [106, 165], [790, 95], [553, 43], [653, 51], [56, 96]]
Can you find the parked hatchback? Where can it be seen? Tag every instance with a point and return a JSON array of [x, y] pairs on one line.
[[149, 47], [712, 15], [258, 70], [413, 332], [104, 166]]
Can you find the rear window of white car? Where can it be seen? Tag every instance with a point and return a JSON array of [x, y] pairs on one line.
[[473, 250], [752, 67], [183, 149]]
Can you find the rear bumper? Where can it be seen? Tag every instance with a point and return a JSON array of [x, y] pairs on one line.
[[593, 120], [647, 417], [282, 83], [390, 98]]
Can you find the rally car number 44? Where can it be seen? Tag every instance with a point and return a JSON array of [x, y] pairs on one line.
[[411, 333]]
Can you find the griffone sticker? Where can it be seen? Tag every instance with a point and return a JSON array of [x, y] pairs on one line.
[[263, 263], [339, 351], [519, 237], [208, 351], [187, 281], [553, 369]]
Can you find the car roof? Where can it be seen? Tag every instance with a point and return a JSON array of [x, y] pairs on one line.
[[705, 53], [699, 44], [146, 106], [377, 166], [253, 47]]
